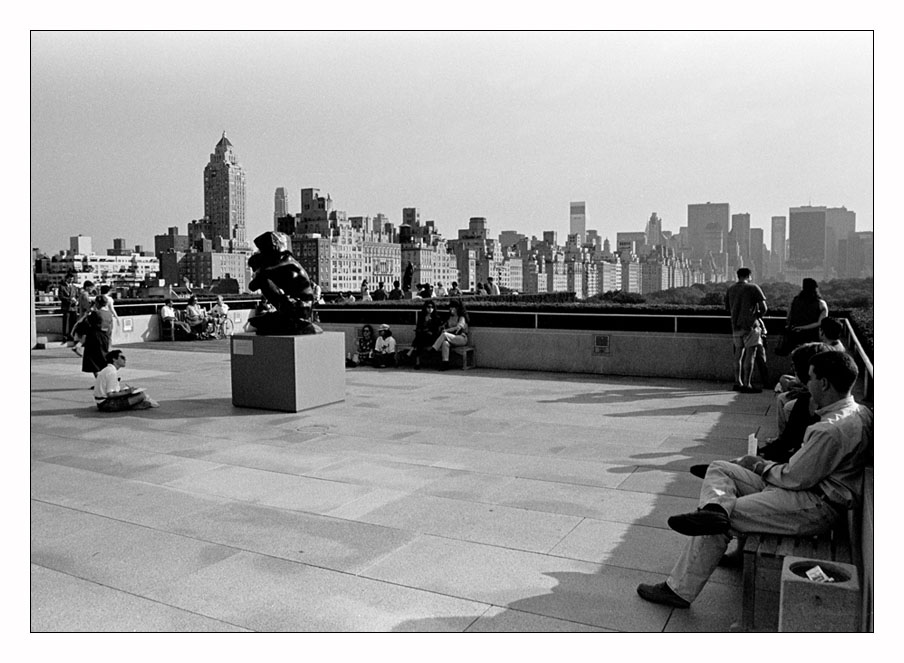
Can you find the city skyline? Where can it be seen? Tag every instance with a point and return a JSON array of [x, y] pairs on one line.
[[763, 121]]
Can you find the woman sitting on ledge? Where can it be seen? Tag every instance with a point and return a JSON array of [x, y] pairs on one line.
[[455, 332]]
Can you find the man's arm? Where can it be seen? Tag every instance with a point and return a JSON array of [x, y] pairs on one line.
[[815, 460]]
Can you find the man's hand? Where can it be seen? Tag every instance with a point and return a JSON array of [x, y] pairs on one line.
[[753, 463]]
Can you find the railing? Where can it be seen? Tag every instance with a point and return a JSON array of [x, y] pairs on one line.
[[852, 343]]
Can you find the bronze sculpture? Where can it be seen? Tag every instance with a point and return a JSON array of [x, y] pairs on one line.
[[285, 284]]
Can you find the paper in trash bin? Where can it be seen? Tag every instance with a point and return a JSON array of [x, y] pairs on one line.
[[816, 574]]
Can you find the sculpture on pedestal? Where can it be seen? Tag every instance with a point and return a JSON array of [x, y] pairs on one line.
[[286, 285]]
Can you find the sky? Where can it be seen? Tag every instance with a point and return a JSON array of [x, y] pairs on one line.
[[511, 126]]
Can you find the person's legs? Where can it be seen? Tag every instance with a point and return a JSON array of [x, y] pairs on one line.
[[442, 344], [738, 346], [725, 483], [747, 359], [137, 401], [761, 367]]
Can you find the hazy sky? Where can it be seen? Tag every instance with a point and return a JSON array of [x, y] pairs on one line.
[[510, 126]]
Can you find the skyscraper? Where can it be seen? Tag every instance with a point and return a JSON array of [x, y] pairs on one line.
[[654, 230], [740, 233], [779, 230], [224, 194], [705, 222], [280, 205], [578, 223], [814, 233]]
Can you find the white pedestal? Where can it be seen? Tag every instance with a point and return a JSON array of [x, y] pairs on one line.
[[287, 373]]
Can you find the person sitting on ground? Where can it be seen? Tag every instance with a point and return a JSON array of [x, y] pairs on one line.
[[380, 293], [454, 333], [830, 331], [803, 497], [365, 348], [384, 348], [195, 317], [454, 290], [168, 315], [396, 292], [426, 330], [113, 396]]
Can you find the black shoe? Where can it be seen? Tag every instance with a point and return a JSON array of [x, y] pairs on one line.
[[663, 594], [738, 387], [751, 390], [699, 471], [701, 522]]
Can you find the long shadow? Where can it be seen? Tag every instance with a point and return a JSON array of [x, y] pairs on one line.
[[197, 408], [627, 395], [607, 599]]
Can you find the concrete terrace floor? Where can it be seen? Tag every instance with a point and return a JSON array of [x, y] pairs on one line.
[[478, 500]]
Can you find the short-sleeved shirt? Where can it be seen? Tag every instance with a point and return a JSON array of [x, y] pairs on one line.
[[741, 301], [106, 383]]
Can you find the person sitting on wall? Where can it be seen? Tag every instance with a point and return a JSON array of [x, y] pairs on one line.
[[285, 283], [113, 396], [396, 292]]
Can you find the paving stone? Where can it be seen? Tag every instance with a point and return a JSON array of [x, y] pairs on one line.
[[62, 603], [120, 555], [505, 620], [331, 543], [486, 523], [267, 594], [576, 591]]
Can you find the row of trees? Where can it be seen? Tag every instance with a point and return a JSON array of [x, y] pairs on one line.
[[838, 293]]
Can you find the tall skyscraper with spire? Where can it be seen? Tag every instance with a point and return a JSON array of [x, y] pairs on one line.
[[224, 195], [280, 204]]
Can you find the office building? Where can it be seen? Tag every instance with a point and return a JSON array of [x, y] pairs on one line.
[[578, 219], [814, 234], [740, 234], [224, 197], [707, 225], [280, 206], [777, 250], [654, 230]]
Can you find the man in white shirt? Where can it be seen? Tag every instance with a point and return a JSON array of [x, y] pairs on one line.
[[802, 497], [113, 396]]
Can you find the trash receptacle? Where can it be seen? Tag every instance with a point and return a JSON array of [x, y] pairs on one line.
[[830, 604]]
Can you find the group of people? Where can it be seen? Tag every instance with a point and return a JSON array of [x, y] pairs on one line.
[[799, 483], [89, 316], [433, 333], [196, 322], [419, 291]]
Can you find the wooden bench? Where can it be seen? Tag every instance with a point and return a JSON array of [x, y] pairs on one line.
[[763, 556]]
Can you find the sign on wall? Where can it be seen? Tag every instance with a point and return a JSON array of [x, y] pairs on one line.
[[600, 344], [127, 324]]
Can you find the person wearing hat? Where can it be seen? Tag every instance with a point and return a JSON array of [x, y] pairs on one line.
[[384, 349]]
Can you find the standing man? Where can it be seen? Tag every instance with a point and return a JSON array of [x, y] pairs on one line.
[[67, 294], [746, 304], [802, 497], [379, 294]]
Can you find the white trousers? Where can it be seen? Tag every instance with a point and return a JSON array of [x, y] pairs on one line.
[[753, 506]]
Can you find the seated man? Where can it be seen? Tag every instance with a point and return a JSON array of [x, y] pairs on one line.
[[802, 497], [795, 386], [112, 396], [168, 316]]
